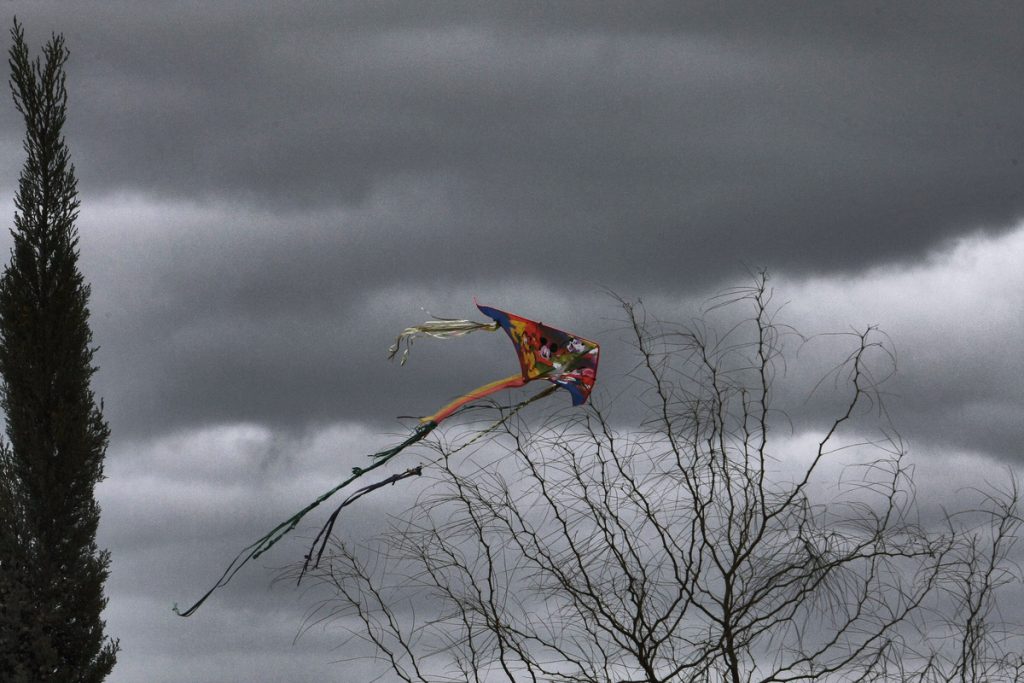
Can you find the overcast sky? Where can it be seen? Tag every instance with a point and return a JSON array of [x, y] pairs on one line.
[[269, 195]]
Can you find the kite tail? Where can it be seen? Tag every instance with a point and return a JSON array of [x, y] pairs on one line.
[[422, 429], [427, 425], [475, 395], [325, 531], [438, 329], [265, 543]]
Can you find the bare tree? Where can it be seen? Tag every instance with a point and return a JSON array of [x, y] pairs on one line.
[[681, 550]]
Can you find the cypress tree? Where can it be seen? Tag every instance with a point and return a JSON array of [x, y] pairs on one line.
[[51, 571]]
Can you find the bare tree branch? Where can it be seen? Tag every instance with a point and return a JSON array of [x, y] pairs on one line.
[[677, 551]]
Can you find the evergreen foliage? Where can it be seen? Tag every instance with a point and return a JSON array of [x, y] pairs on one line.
[[51, 571]]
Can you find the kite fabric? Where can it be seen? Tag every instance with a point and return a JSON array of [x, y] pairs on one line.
[[566, 360], [544, 352]]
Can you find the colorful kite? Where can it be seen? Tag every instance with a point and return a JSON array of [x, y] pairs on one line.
[[565, 360]]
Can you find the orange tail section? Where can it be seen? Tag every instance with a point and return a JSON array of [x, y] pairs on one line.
[[486, 390]]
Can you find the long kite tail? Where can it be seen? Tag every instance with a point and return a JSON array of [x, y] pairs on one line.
[[447, 411], [264, 544], [427, 425]]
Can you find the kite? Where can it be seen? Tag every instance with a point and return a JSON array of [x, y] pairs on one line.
[[565, 360]]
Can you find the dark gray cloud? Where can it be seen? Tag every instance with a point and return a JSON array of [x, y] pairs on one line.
[[269, 196], [270, 193], [676, 138]]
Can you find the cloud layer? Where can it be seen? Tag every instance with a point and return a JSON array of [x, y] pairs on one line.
[[270, 194]]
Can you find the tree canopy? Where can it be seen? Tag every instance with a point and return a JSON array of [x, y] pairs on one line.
[[51, 571]]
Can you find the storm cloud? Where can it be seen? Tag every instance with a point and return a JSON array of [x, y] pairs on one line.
[[269, 194]]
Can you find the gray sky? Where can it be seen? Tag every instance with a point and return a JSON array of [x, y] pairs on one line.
[[269, 195]]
